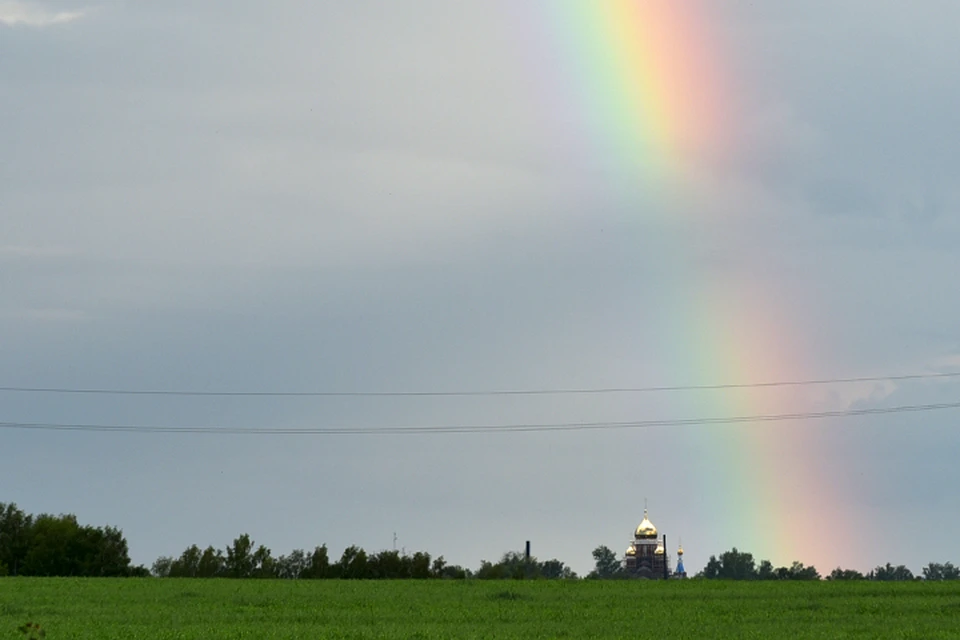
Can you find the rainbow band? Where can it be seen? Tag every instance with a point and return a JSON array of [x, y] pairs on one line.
[[652, 104], [645, 79]]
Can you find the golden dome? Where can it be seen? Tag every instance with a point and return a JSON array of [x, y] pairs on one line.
[[659, 550], [680, 550], [646, 529], [631, 550]]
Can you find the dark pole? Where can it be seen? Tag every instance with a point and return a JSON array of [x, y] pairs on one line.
[[666, 575], [526, 564]]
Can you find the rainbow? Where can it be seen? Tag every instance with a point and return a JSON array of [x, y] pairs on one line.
[[643, 81], [645, 89]]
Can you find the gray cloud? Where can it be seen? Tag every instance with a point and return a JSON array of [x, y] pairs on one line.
[[33, 14], [305, 196]]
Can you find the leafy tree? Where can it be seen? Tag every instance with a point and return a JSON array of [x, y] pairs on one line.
[[212, 563], [419, 566], [15, 529], [139, 571], [712, 569], [353, 563], [293, 566], [320, 565], [161, 567], [188, 564], [735, 565], [607, 564], [388, 565], [112, 557], [798, 571], [264, 566], [491, 571], [555, 570], [449, 571], [49, 553], [49, 545], [738, 565], [766, 571], [513, 565], [240, 561], [889, 573], [937, 571], [845, 574]]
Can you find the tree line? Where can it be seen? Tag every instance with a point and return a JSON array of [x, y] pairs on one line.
[[49, 545], [245, 559], [740, 565], [58, 545]]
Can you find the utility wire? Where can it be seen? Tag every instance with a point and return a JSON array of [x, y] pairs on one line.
[[504, 392], [509, 428]]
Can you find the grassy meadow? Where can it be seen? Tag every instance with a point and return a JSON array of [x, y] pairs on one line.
[[210, 609]]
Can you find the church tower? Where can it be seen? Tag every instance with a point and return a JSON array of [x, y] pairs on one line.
[[646, 556], [681, 572]]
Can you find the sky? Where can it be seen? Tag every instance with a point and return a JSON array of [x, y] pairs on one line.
[[429, 196]]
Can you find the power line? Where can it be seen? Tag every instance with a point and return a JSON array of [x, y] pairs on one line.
[[509, 428], [502, 392]]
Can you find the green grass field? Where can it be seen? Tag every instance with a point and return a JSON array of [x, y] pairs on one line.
[[209, 609]]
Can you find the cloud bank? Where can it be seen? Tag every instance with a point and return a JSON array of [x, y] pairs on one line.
[[29, 14]]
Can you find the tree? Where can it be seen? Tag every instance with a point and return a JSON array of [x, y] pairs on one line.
[[388, 565], [766, 571], [161, 567], [712, 570], [112, 555], [264, 566], [293, 566], [212, 563], [737, 565], [845, 574], [419, 567], [889, 573], [51, 545], [319, 568], [491, 571], [188, 564], [607, 565], [798, 571], [15, 528], [512, 565], [353, 563], [441, 569], [51, 539], [240, 558], [936, 571], [556, 570]]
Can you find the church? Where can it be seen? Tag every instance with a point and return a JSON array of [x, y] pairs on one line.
[[646, 557]]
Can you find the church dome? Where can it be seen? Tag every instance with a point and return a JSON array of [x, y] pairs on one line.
[[680, 550], [631, 550], [645, 529]]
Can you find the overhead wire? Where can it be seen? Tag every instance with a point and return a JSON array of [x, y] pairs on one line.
[[481, 393], [459, 429]]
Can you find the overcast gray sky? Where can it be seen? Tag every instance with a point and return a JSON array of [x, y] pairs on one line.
[[382, 196]]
